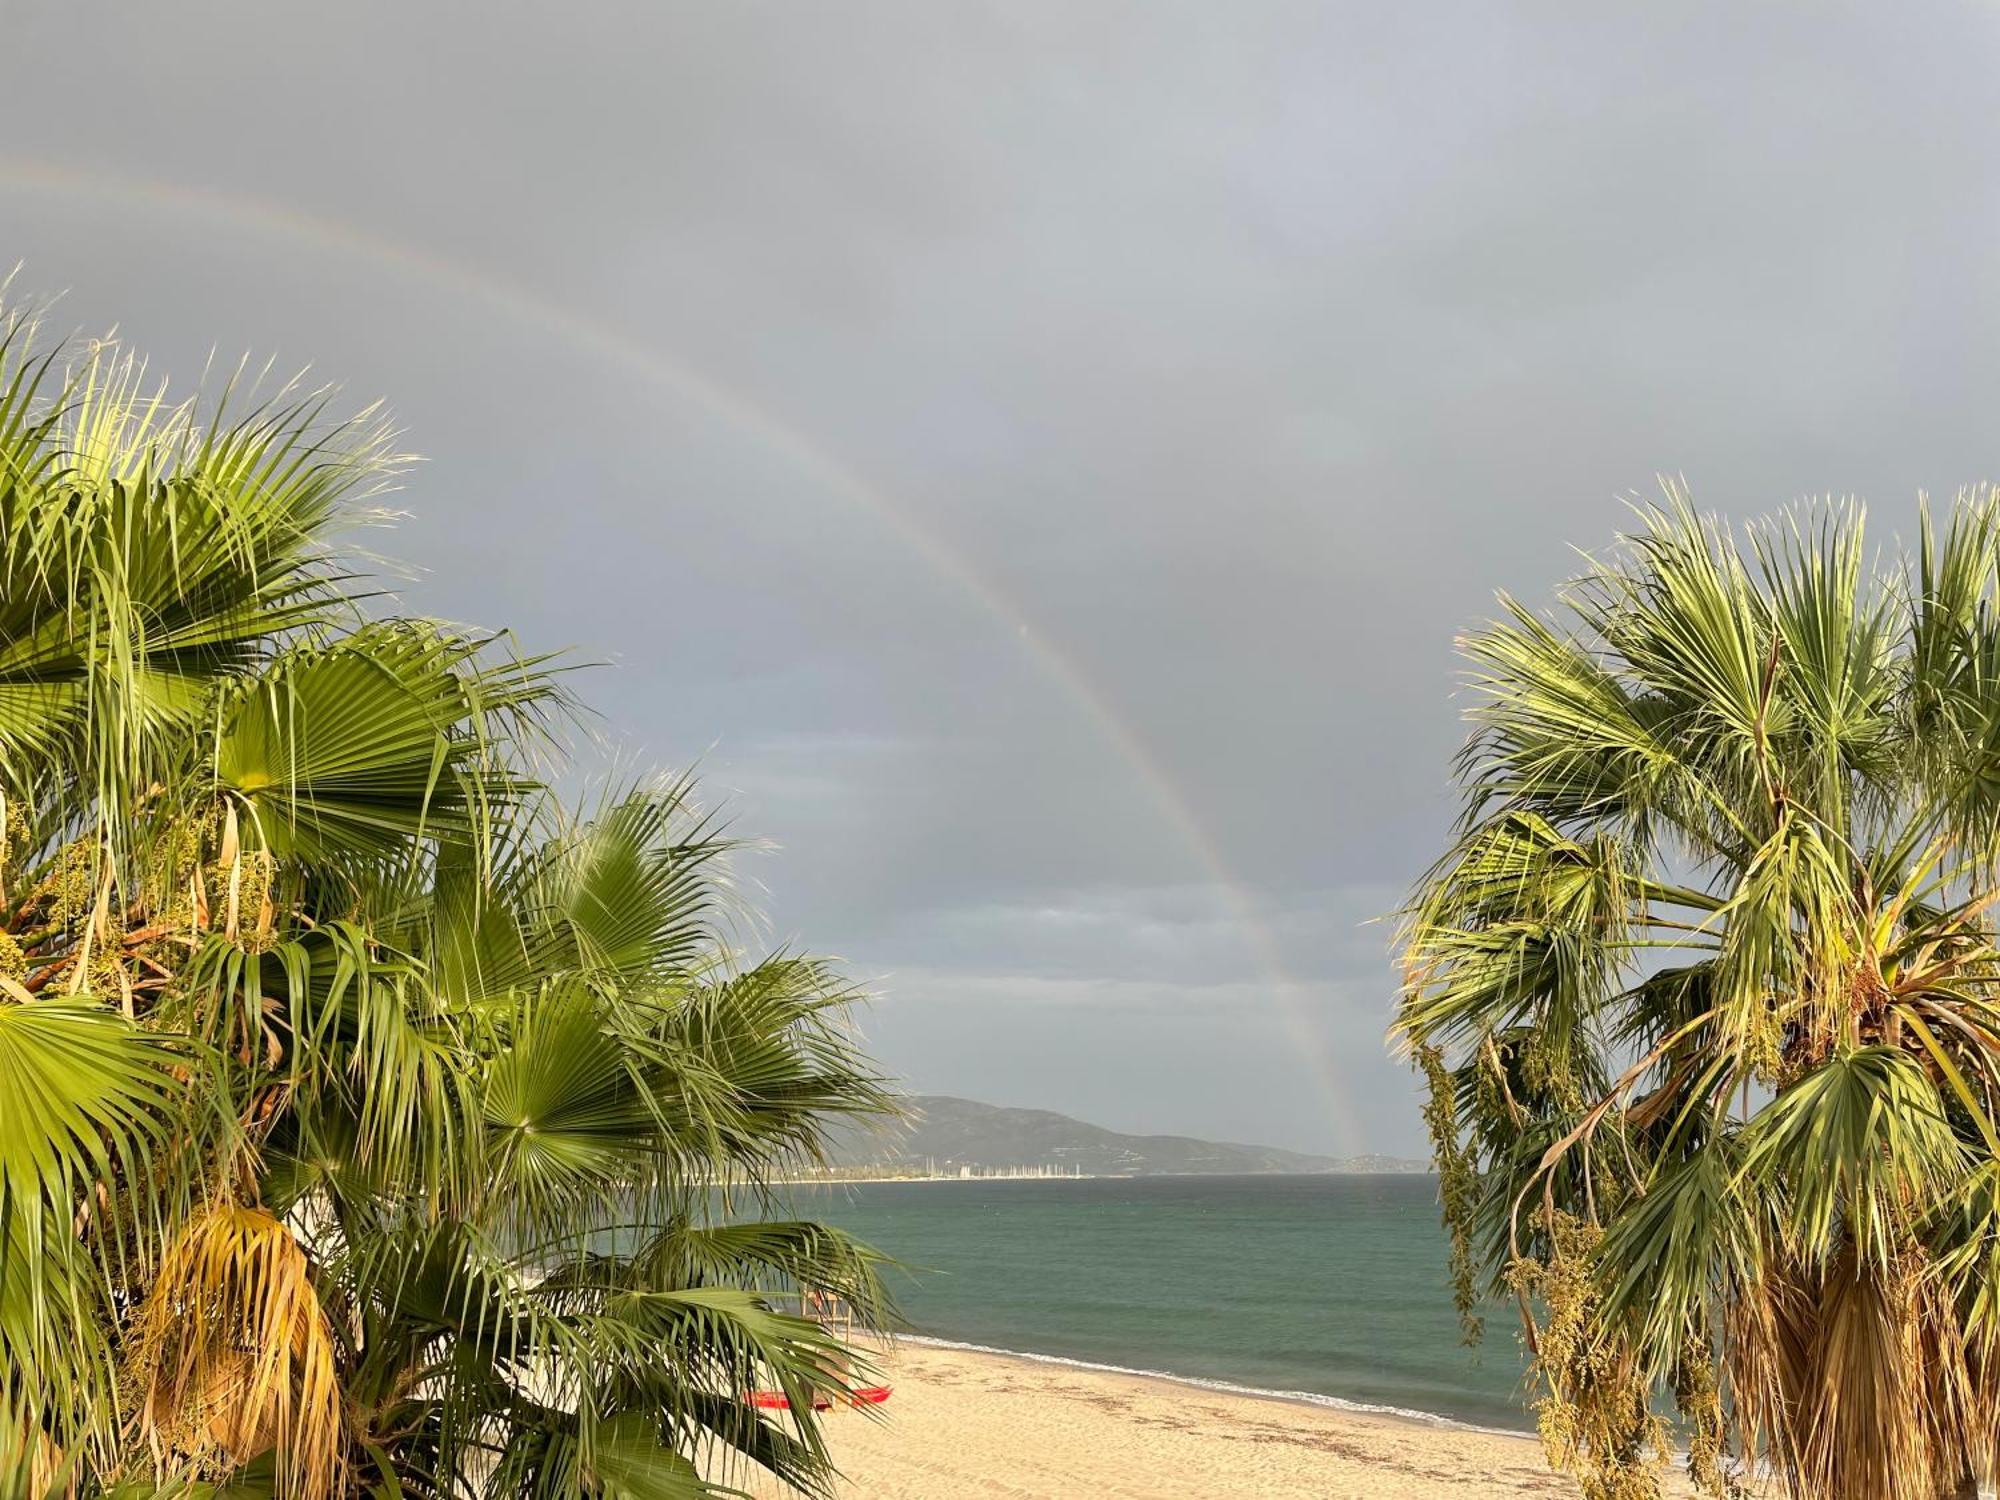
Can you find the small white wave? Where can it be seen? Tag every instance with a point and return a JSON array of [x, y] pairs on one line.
[[1228, 1387]]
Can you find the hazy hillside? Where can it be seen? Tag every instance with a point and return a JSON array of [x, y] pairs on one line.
[[953, 1133]]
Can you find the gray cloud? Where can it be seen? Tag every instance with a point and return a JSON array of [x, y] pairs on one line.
[[1238, 352]]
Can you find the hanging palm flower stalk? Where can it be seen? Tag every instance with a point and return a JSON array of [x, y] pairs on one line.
[[1707, 999]]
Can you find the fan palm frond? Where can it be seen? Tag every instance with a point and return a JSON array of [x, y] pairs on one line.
[[373, 1122], [1707, 993]]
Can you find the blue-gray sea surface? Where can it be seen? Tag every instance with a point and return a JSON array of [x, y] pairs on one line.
[[1331, 1287]]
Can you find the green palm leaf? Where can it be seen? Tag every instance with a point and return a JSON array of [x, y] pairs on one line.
[[388, 1092], [1707, 993], [351, 752]]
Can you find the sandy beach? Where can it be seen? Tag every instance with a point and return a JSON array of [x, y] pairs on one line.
[[963, 1423]]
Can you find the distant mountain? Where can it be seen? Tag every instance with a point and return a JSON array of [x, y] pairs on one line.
[[949, 1134]]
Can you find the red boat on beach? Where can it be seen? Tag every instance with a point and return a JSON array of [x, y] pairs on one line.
[[867, 1395], [836, 1318]]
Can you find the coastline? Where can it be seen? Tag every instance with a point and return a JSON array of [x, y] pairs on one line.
[[967, 1421], [1318, 1399]]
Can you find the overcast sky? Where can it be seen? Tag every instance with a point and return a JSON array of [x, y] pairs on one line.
[[1034, 457]]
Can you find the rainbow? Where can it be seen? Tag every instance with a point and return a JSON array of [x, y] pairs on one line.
[[582, 334]]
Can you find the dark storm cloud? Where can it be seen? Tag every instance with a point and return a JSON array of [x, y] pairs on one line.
[[1240, 351]]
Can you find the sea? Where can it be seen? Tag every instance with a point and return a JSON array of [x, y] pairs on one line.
[[1324, 1289]]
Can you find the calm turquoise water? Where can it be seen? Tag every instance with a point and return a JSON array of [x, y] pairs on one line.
[[1333, 1286]]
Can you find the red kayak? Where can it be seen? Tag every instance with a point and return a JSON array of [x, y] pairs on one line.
[[867, 1395]]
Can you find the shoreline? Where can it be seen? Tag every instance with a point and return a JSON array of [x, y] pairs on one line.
[[967, 1422], [1318, 1400]]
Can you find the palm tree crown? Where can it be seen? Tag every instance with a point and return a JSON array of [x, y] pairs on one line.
[[364, 1108], [1707, 998]]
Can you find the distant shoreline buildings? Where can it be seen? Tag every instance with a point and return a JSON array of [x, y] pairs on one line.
[[941, 1138], [929, 1170], [933, 1171]]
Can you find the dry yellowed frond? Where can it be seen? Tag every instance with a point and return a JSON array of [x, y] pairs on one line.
[[237, 1357], [1852, 1375], [32, 1465]]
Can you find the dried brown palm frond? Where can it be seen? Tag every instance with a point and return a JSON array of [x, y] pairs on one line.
[[32, 1467], [1841, 1371], [236, 1354]]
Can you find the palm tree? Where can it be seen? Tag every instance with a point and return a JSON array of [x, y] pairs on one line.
[[1707, 997], [372, 1121]]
